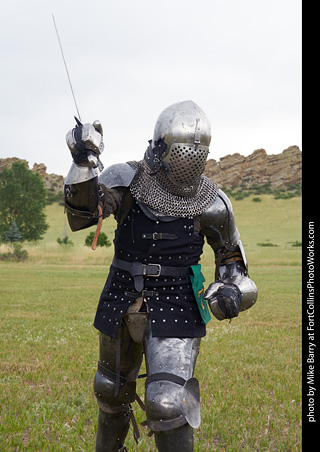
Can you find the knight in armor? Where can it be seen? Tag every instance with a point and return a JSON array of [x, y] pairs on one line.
[[153, 302]]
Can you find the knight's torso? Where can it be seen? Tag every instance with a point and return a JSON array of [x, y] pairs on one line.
[[170, 300], [146, 236]]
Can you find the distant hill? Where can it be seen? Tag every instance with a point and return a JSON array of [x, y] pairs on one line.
[[258, 168]]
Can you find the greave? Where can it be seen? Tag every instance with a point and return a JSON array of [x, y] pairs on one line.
[[178, 439], [112, 431]]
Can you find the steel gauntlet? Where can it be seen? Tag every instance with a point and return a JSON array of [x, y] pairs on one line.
[[224, 300], [233, 293], [85, 142]]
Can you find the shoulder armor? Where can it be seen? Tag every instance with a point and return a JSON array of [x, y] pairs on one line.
[[217, 223], [118, 175]]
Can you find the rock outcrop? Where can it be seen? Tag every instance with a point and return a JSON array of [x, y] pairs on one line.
[[52, 182], [280, 170]]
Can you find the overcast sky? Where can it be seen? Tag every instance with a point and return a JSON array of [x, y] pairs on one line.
[[239, 60]]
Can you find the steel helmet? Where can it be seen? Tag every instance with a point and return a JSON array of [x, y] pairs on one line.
[[180, 143]]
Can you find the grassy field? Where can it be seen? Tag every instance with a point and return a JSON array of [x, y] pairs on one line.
[[249, 370]]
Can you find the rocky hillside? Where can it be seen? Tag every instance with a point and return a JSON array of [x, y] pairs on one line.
[[52, 182], [280, 170]]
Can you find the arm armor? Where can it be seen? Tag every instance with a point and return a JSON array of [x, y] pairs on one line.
[[81, 197], [218, 224], [84, 190]]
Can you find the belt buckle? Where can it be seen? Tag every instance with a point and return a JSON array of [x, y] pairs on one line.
[[159, 270]]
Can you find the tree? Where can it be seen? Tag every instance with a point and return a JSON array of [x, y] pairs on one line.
[[13, 234], [22, 200]]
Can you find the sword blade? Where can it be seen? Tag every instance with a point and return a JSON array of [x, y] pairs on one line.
[[66, 67]]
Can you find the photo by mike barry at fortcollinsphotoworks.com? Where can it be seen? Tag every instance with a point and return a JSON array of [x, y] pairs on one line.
[[309, 327]]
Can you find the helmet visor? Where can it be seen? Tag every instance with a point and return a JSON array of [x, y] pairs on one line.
[[185, 163]]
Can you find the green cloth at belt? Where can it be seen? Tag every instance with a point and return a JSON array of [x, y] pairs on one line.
[[197, 280]]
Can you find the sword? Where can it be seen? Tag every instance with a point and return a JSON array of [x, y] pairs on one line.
[[88, 132], [66, 67]]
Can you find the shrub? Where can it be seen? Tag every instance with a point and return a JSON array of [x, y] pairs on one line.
[[102, 239], [17, 255], [52, 197], [65, 241], [241, 195]]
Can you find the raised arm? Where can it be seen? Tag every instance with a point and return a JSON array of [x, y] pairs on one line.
[[82, 193]]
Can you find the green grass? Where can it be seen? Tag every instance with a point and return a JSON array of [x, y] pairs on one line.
[[249, 370]]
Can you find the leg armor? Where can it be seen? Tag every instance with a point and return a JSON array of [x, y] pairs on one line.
[[113, 396], [174, 440], [172, 394]]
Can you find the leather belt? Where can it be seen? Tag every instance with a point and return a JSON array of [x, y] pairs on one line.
[[138, 270], [159, 236]]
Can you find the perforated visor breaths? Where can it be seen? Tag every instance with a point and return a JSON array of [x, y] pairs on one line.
[[186, 163]]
